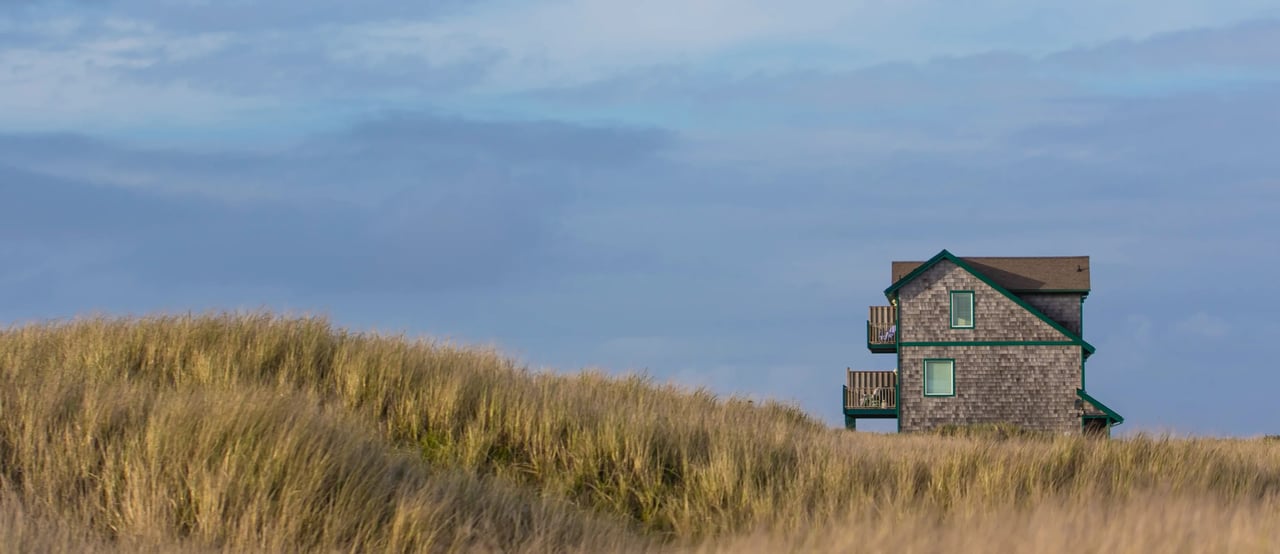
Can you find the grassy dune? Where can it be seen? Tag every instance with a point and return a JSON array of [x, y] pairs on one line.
[[260, 433]]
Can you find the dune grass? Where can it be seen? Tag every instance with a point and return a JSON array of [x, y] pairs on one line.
[[254, 432]]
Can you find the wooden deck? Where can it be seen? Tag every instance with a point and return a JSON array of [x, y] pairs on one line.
[[871, 391], [881, 329]]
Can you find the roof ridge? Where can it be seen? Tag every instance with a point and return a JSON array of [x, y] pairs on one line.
[[1023, 273], [999, 258]]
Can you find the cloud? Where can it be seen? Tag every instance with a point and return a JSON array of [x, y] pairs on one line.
[[404, 202], [578, 41], [1203, 325], [1249, 44], [231, 61], [80, 82], [306, 63], [232, 15], [362, 163], [523, 142], [1189, 127], [417, 244], [850, 113]]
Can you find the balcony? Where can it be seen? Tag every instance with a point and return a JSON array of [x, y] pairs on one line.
[[882, 328], [871, 394]]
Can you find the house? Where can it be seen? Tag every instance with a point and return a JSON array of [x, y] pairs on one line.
[[982, 340]]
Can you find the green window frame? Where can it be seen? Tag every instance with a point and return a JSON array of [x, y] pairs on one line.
[[961, 309], [939, 377]]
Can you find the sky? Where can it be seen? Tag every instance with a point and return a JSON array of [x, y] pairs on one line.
[[706, 191]]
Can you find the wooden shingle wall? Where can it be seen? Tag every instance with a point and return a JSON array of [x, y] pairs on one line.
[[1030, 386], [1063, 308]]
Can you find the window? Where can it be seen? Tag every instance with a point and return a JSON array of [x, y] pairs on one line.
[[961, 309], [939, 377]]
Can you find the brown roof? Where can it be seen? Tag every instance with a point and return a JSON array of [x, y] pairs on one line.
[[1023, 274]]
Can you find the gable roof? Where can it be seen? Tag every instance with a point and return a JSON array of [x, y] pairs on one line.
[[962, 264], [1025, 274], [1111, 415]]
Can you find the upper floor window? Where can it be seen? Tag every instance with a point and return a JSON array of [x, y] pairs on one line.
[[961, 309]]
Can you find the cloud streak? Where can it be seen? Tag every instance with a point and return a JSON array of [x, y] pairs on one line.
[[452, 203]]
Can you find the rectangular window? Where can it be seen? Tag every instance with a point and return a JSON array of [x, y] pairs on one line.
[[939, 377], [961, 309]]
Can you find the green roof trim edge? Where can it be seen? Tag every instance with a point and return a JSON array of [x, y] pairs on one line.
[[945, 255], [1111, 414]]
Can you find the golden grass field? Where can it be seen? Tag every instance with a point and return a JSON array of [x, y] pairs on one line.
[[260, 433]]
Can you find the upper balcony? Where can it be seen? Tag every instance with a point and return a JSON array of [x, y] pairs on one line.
[[882, 328]]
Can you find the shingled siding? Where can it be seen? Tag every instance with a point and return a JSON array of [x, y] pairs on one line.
[[925, 314], [1063, 308], [1030, 386]]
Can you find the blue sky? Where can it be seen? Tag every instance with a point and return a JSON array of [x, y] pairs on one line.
[[710, 191]]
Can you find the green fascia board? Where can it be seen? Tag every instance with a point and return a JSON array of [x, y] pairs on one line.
[[945, 255], [871, 413], [897, 343], [992, 343], [1111, 414], [1081, 372]]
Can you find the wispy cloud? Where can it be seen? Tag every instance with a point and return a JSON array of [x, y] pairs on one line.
[[1204, 326], [402, 202]]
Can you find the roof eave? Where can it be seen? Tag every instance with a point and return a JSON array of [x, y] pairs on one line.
[[1112, 415]]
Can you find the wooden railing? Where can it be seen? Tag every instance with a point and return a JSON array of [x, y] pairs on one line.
[[871, 390], [881, 325]]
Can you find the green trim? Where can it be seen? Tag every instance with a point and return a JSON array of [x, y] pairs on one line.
[[871, 413], [1082, 357], [844, 401], [1081, 372], [945, 255], [992, 343], [897, 377], [1111, 414], [925, 374], [951, 308]]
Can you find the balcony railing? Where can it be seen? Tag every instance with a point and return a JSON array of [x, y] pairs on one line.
[[882, 329], [871, 390]]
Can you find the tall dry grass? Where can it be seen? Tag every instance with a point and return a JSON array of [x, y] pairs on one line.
[[1146, 523], [257, 432]]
